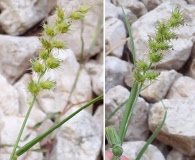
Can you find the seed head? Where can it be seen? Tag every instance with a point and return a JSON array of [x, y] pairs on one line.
[[63, 27], [59, 45], [77, 16], [142, 65], [43, 54], [155, 57], [139, 77], [46, 44], [151, 75], [52, 62], [60, 13], [37, 66], [84, 9], [34, 88], [49, 31], [48, 84]]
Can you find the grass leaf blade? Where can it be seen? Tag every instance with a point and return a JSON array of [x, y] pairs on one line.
[[152, 137], [130, 36]]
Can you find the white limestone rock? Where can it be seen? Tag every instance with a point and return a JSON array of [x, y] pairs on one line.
[[178, 130], [90, 23], [138, 127], [115, 71], [110, 10], [131, 150], [78, 138], [159, 87], [182, 88], [99, 119], [137, 7], [56, 100], [176, 155], [115, 36], [95, 70], [15, 54], [9, 104], [8, 133], [18, 16], [144, 26]]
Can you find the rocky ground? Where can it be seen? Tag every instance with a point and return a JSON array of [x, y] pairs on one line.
[[20, 27], [175, 85]]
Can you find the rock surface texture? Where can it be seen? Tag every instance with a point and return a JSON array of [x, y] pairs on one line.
[[178, 129], [115, 75], [131, 150], [15, 54], [78, 138], [115, 34], [19, 16]]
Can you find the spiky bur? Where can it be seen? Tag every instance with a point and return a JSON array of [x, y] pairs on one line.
[[159, 43], [46, 61]]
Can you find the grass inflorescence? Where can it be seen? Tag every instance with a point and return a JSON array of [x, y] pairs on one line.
[[143, 71], [45, 62]]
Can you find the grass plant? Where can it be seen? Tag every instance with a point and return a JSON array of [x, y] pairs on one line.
[[46, 62], [143, 71]]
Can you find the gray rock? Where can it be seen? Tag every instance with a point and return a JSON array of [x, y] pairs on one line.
[[138, 127], [15, 55], [115, 35], [151, 4], [176, 155], [131, 150], [78, 138], [90, 24], [9, 104], [115, 71], [137, 7], [99, 119], [178, 130], [182, 88], [9, 132], [159, 88], [191, 2], [191, 71], [19, 16], [173, 59], [162, 147], [96, 73], [130, 15], [110, 10], [56, 100]]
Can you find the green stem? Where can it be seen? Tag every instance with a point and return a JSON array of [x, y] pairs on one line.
[[82, 43], [127, 116], [22, 128], [40, 137]]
